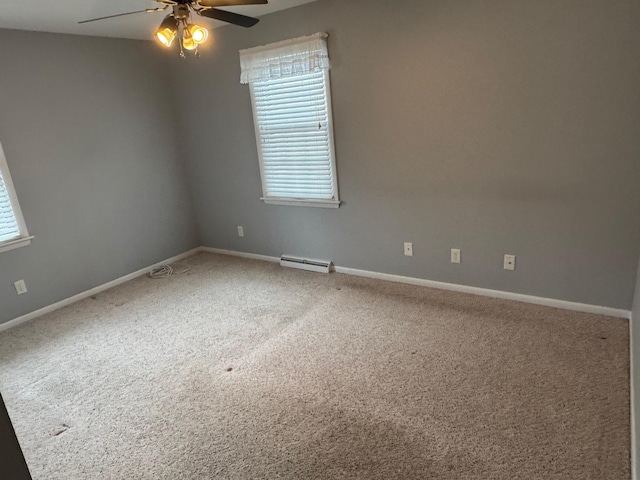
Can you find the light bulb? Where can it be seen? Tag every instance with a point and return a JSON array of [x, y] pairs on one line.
[[166, 37], [189, 43], [198, 33], [167, 31]]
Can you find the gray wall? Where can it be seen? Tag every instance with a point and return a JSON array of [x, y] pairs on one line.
[[491, 126], [89, 131], [635, 360]]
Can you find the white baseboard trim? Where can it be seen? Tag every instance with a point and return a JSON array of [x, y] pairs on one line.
[[635, 474], [484, 292], [94, 291], [232, 253]]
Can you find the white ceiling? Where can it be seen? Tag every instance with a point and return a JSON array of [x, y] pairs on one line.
[[62, 16]]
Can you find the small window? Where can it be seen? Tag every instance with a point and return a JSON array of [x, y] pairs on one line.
[[13, 232], [290, 94]]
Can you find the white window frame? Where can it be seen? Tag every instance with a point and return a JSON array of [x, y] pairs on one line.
[[24, 239], [293, 201]]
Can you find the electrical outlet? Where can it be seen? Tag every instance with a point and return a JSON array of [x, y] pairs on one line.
[[240, 231], [455, 255], [21, 287], [408, 249], [509, 262]]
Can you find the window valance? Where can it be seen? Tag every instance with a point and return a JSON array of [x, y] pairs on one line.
[[285, 59]]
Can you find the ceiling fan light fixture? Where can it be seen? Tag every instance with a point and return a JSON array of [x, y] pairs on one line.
[[176, 24], [168, 30]]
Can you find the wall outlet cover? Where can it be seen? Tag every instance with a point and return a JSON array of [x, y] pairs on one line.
[[455, 255], [21, 287], [509, 262], [408, 249]]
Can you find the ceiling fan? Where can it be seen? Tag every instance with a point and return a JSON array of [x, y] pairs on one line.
[[178, 24]]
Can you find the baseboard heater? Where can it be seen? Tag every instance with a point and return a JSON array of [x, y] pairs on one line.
[[322, 266]]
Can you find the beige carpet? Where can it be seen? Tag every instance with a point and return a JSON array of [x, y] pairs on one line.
[[241, 369]]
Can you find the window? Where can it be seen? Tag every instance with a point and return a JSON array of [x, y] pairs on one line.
[[291, 99], [13, 232]]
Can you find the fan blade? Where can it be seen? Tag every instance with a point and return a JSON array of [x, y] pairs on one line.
[[229, 3], [148, 10], [229, 17]]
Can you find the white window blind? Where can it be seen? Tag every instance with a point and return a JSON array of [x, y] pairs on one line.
[[13, 232], [9, 229], [290, 94]]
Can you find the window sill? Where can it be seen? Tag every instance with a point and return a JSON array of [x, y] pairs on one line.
[[302, 203], [17, 243]]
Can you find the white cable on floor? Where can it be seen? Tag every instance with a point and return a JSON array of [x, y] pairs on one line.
[[164, 271]]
